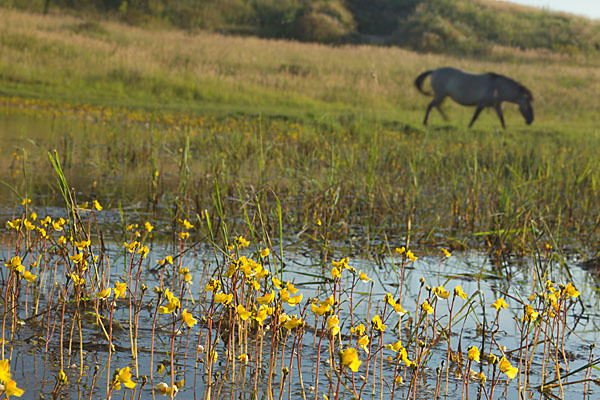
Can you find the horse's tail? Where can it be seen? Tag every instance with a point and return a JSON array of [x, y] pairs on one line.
[[419, 82]]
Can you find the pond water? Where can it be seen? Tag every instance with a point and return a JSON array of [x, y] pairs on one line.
[[36, 354]]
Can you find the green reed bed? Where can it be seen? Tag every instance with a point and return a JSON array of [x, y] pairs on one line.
[[459, 187], [247, 330]]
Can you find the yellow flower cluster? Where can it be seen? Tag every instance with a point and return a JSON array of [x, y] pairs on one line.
[[9, 385]]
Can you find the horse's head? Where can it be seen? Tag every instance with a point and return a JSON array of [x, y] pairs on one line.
[[525, 106]]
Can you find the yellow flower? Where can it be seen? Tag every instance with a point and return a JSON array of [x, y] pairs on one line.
[[473, 353], [29, 277], [11, 389], [187, 277], [402, 353], [96, 205], [166, 260], [360, 329], [335, 273], [341, 264], [243, 358], [57, 226], [120, 289], [169, 307], [28, 225], [104, 293], [507, 368], [241, 242], [286, 298], [427, 307], [223, 298], [411, 256], [363, 277], [570, 291], [123, 376], [283, 317], [213, 285], [333, 323], [4, 371], [188, 318], [77, 258], [290, 287], [378, 324], [132, 247], [399, 310], [172, 303], [42, 232], [77, 280], [148, 226], [267, 298], [187, 224], [62, 377], [83, 244], [458, 291], [276, 282], [481, 377], [15, 264], [293, 322], [400, 250], [394, 346], [389, 298], [15, 224], [260, 315], [441, 292], [500, 303], [241, 310], [253, 283], [264, 253], [165, 389], [320, 307], [25, 201], [184, 235], [350, 359], [363, 342], [530, 314], [446, 252]]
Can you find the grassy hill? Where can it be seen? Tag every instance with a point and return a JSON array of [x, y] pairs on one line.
[[455, 26]]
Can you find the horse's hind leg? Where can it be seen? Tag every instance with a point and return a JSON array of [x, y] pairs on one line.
[[477, 112], [499, 112], [436, 102], [427, 113]]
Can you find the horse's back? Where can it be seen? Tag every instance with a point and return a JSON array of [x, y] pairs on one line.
[[462, 87]]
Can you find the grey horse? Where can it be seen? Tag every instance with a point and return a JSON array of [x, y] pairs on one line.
[[484, 90]]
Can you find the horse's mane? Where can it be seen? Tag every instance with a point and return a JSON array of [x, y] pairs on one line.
[[519, 86]]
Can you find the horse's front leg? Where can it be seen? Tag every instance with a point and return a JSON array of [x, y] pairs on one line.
[[499, 112], [477, 112]]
